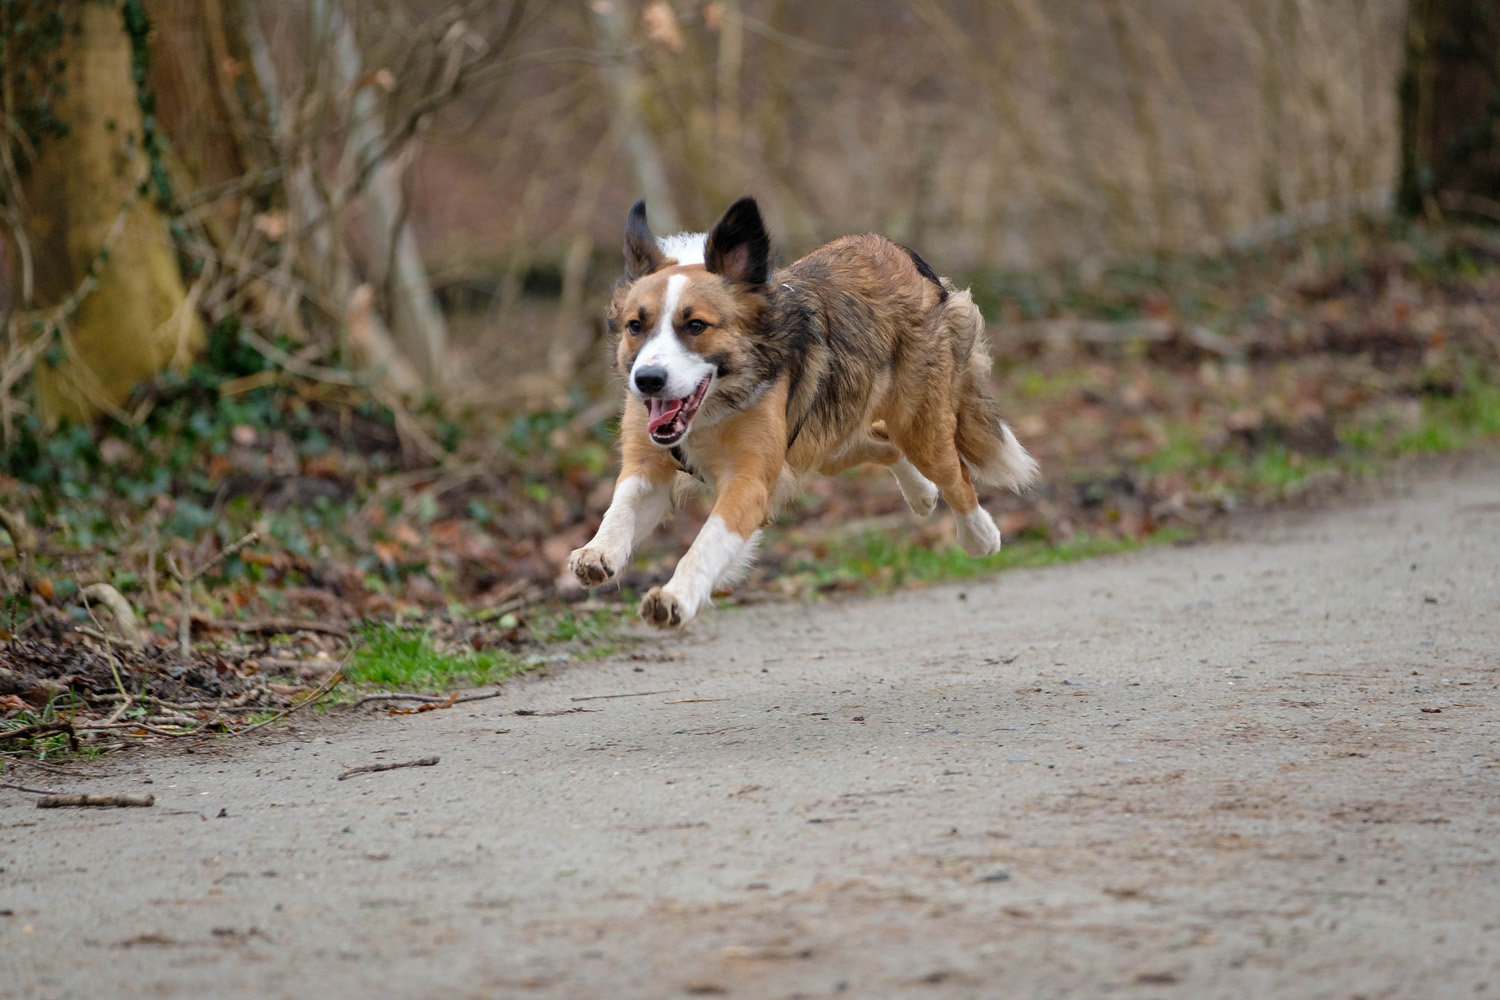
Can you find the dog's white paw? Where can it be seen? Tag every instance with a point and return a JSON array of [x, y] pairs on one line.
[[664, 610], [592, 567], [920, 493], [977, 534]]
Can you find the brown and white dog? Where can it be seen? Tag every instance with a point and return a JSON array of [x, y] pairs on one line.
[[745, 380]]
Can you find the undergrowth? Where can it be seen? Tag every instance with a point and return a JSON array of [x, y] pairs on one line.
[[1344, 356]]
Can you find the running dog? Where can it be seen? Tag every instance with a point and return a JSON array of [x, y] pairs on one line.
[[746, 379]]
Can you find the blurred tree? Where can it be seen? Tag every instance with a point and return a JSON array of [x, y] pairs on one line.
[[209, 102], [141, 147], [90, 197], [1450, 108]]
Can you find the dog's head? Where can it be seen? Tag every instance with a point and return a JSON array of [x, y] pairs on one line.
[[683, 325]]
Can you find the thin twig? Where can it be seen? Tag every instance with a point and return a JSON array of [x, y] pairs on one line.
[[31, 791], [40, 729], [426, 698], [369, 768], [525, 600], [633, 694], [36, 765], [124, 707], [130, 726], [274, 626], [321, 691], [238, 701], [250, 538], [185, 583]]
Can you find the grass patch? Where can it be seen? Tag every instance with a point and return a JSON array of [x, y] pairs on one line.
[[1451, 423], [408, 659], [876, 561]]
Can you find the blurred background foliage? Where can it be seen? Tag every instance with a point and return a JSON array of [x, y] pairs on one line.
[[500, 144]]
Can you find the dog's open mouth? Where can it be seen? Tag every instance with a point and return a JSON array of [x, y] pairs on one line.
[[667, 419]]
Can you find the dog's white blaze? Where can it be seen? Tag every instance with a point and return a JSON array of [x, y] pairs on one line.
[[663, 347], [685, 248], [714, 553], [977, 534], [921, 493]]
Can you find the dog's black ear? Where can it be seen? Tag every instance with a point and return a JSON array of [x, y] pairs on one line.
[[642, 255], [739, 248]]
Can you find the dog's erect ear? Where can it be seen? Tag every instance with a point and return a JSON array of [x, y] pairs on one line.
[[739, 247], [642, 255]]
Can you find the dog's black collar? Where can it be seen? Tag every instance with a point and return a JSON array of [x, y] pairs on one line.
[[682, 462]]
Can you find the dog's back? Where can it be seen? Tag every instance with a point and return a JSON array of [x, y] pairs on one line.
[[884, 339]]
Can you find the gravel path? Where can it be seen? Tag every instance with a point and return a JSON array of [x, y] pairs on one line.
[[1266, 766]]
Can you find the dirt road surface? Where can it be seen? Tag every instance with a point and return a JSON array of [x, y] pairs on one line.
[[1266, 766]]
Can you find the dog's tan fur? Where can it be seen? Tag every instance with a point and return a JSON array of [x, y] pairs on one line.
[[857, 353]]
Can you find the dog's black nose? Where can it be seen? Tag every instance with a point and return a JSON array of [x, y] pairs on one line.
[[651, 380]]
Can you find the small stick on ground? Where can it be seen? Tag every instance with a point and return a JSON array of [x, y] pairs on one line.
[[41, 729], [632, 694], [404, 696], [428, 706], [32, 791], [100, 801], [368, 768]]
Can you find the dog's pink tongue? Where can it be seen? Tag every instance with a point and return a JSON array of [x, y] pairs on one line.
[[660, 412]]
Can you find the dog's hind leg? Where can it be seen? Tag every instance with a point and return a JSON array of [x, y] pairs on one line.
[[918, 491], [928, 442], [985, 441], [860, 451]]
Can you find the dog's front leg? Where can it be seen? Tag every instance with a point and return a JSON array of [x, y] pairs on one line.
[[637, 507], [741, 509]]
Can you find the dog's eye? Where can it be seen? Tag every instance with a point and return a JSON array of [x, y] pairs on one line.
[[696, 326], [634, 326]]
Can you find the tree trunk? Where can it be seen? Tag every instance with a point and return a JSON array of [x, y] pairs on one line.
[[420, 330], [209, 102], [626, 90], [1450, 132], [87, 214]]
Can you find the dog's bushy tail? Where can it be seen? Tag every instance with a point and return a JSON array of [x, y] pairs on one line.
[[985, 441]]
